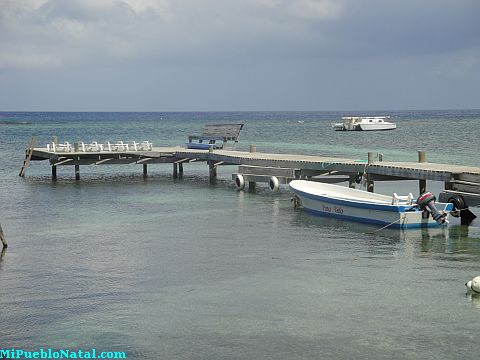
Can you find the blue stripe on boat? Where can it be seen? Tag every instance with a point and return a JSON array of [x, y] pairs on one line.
[[373, 221]]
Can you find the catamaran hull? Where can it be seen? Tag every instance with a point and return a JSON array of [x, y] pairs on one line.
[[364, 127], [375, 127], [373, 213]]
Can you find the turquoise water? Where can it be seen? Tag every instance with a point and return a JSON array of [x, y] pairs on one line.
[[183, 269]]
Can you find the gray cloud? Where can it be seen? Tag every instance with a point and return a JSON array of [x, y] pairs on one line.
[[262, 53]]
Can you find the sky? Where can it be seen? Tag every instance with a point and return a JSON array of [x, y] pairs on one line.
[[239, 55]]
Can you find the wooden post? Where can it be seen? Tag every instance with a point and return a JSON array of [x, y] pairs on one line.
[[54, 172], [76, 147], [2, 238], [253, 148], [180, 170], [144, 170], [251, 185], [422, 156], [351, 181], [175, 170], [77, 172], [422, 183], [371, 159], [212, 170], [28, 156]]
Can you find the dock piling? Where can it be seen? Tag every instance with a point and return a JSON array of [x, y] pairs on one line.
[[145, 170], [351, 181], [212, 170], [371, 159], [253, 148], [422, 183], [175, 170], [2, 238], [77, 172], [54, 172], [180, 170]]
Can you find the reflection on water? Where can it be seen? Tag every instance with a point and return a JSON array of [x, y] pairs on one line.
[[451, 240], [448, 240], [474, 300]]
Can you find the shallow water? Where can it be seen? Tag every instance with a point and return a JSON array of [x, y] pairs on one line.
[[184, 269]]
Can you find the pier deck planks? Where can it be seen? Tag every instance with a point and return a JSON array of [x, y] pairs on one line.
[[408, 170]]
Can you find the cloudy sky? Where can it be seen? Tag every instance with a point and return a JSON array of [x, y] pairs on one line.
[[201, 55]]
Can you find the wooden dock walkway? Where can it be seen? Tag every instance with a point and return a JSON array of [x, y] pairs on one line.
[[256, 166]]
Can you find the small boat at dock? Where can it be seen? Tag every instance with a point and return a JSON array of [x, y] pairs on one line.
[[364, 123], [351, 204]]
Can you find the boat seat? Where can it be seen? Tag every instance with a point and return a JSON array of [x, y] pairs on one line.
[[211, 133], [396, 199]]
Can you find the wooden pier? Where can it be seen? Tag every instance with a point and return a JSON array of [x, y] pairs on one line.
[[272, 168]]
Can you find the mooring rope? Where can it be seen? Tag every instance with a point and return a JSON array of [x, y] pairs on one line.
[[374, 231]]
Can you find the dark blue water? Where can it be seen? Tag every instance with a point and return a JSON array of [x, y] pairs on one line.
[[183, 269]]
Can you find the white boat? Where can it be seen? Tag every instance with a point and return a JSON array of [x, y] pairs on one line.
[[351, 204], [364, 123]]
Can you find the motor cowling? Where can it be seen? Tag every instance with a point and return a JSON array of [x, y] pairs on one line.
[[426, 202]]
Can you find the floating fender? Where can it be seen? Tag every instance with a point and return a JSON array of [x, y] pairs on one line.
[[273, 183], [474, 285], [461, 207], [458, 202], [240, 182]]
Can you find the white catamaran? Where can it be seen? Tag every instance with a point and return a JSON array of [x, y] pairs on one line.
[[364, 123]]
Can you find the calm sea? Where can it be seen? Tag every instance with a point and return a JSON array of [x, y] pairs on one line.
[[183, 269]]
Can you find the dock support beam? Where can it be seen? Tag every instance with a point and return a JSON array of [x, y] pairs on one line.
[[145, 170], [422, 184], [54, 172], [77, 172]]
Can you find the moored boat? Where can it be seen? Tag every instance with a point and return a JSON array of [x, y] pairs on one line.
[[364, 123], [351, 204]]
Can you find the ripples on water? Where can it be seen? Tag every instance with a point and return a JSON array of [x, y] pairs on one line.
[[181, 269]]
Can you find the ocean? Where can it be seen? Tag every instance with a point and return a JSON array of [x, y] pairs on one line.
[[163, 268]]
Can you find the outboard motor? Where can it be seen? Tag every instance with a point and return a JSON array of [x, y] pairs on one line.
[[426, 202]]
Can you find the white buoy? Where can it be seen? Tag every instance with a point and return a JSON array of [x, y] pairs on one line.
[[239, 182], [273, 183], [474, 285]]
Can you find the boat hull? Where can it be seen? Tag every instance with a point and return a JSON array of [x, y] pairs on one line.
[[377, 127], [376, 211]]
